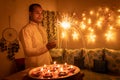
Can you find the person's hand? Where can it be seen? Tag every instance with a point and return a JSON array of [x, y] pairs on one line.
[[51, 44]]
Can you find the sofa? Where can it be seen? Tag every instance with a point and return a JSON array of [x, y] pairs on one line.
[[97, 64]]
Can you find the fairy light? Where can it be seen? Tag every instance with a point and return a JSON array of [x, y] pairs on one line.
[[118, 10], [104, 19], [118, 20], [110, 27], [91, 12], [99, 22], [106, 9], [83, 14], [100, 9], [109, 36], [63, 35], [84, 18], [89, 21], [65, 24], [90, 29], [83, 26], [91, 37], [75, 35], [97, 14]]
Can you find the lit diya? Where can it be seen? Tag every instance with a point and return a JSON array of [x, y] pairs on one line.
[[71, 69], [36, 73], [48, 74], [62, 72]]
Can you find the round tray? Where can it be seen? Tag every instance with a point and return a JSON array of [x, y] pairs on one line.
[[77, 70]]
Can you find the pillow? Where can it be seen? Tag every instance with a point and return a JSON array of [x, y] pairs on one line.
[[92, 54], [100, 66], [113, 59]]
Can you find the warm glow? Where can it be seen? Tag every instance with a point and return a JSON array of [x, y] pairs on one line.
[[75, 35], [90, 29], [65, 24], [82, 26], [118, 21], [41, 69], [85, 24], [71, 66], [89, 21], [84, 18], [45, 65], [99, 23], [83, 14], [118, 10], [61, 69], [64, 34], [97, 14], [109, 35], [91, 37], [54, 62], [91, 12], [111, 27], [65, 63], [106, 9]]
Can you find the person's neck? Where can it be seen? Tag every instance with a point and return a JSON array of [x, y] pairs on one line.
[[38, 23]]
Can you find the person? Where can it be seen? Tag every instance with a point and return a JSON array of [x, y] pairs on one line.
[[34, 40]]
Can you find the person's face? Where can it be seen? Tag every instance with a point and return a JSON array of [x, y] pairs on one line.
[[36, 15]]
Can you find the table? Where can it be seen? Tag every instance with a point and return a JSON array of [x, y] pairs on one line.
[[22, 75]]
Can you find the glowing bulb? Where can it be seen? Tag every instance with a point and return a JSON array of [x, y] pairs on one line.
[[118, 21], [97, 14], [75, 36], [99, 24], [91, 12], [65, 24], [111, 27], [83, 14], [109, 35], [63, 34], [90, 29], [106, 9], [100, 9], [118, 10], [91, 37], [83, 26], [84, 18], [89, 21]]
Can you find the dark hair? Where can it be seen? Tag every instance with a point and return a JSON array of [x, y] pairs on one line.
[[32, 6]]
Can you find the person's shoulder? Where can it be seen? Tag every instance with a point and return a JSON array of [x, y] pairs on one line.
[[27, 27]]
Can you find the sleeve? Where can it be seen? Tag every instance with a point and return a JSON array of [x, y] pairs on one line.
[[29, 50]]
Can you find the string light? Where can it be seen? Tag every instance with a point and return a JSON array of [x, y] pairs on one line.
[[109, 36], [75, 35], [91, 37], [65, 25], [63, 35], [91, 12], [104, 19]]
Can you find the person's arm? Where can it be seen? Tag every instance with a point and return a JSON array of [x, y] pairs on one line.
[[27, 45]]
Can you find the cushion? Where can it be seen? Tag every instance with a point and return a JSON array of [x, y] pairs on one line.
[[92, 54], [100, 66], [113, 59]]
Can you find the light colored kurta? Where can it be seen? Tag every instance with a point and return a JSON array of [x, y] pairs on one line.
[[34, 39]]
